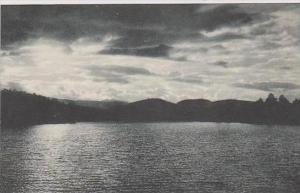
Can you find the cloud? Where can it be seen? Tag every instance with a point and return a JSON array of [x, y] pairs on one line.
[[212, 47], [193, 80], [208, 8], [104, 75], [268, 45], [184, 78], [125, 70], [150, 51], [14, 86], [129, 70], [116, 73], [271, 36], [112, 78], [269, 86], [226, 36], [136, 25], [221, 63], [224, 15]]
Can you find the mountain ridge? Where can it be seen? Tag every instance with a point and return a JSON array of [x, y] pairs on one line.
[[22, 109], [103, 104]]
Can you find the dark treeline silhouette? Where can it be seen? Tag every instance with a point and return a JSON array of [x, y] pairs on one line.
[[20, 109]]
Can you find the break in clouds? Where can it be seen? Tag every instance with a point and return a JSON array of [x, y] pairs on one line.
[[133, 52]]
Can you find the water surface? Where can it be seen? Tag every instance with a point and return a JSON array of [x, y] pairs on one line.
[[156, 157]]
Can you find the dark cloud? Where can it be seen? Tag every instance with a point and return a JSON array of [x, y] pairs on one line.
[[126, 70], [132, 38], [261, 30], [227, 36], [225, 15], [136, 25], [285, 68], [270, 45], [152, 51], [218, 47], [13, 53], [2, 54], [188, 79], [266, 8], [221, 63], [269, 86]]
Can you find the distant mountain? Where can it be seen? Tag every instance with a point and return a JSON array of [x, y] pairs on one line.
[[150, 51], [20, 109], [147, 110], [105, 104]]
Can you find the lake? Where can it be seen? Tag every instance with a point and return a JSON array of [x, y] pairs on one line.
[[151, 157]]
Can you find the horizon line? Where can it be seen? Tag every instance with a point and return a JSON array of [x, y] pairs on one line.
[[157, 98]]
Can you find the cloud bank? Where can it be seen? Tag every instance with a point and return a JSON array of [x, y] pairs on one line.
[[132, 52]]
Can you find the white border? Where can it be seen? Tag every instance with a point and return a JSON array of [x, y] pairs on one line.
[[26, 2]]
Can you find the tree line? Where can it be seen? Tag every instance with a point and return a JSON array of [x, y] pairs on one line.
[[21, 109]]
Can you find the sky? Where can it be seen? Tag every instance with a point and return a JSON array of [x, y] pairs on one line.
[[134, 52]]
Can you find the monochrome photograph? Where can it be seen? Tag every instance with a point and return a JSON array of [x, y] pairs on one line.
[[156, 98]]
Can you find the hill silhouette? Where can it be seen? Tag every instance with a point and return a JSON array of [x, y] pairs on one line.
[[19, 109], [105, 104]]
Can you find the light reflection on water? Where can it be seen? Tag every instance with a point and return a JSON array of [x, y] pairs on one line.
[[159, 157]]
